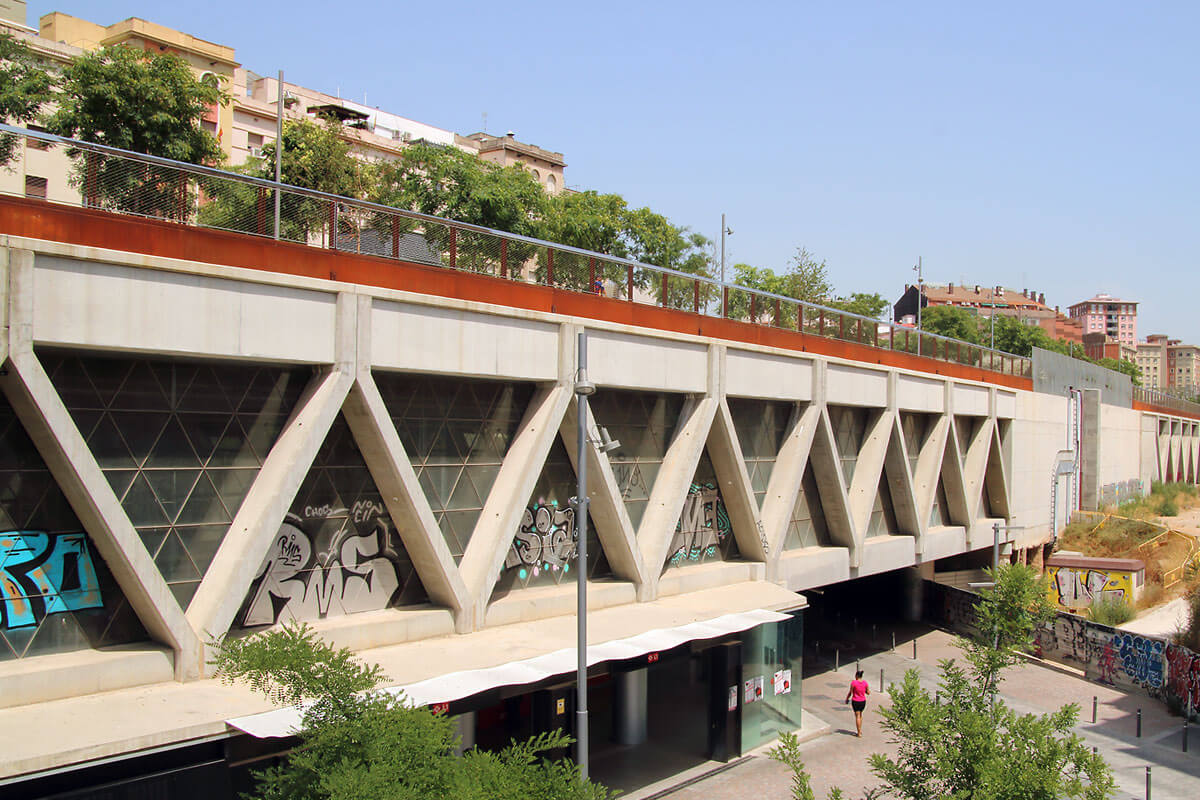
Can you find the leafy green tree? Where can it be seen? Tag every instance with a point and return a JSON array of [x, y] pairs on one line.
[[315, 156], [24, 89], [142, 101], [967, 743], [806, 279], [954, 322], [863, 304], [370, 745]]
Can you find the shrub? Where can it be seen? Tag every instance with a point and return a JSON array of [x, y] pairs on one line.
[[1110, 611]]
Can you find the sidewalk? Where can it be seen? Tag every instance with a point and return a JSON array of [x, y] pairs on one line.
[[840, 759]]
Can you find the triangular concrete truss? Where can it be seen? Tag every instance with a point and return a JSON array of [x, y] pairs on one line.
[[964, 455]]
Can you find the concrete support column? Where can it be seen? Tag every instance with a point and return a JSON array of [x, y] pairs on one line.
[[629, 706], [464, 726], [914, 594], [1089, 450]]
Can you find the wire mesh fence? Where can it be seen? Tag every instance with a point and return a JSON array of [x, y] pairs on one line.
[[131, 184]]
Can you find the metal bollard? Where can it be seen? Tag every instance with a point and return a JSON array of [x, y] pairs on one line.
[[914, 649], [837, 660], [937, 698], [1147, 783], [881, 679], [1185, 733], [1139, 724], [893, 641], [1095, 703]]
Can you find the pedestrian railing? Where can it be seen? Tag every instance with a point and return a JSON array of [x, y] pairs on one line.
[[1162, 399], [132, 184]]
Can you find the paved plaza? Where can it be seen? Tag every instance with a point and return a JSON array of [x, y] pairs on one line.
[[835, 757]]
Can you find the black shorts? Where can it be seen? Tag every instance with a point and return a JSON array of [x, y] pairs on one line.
[[858, 705]]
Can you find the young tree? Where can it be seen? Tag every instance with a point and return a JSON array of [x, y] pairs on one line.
[[369, 745], [136, 100], [807, 279], [951, 321], [863, 304], [315, 156], [967, 743], [24, 89]]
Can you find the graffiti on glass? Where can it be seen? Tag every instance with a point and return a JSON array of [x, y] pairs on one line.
[[546, 542], [307, 576], [43, 574]]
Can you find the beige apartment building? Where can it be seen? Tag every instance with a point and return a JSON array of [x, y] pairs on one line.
[[247, 122], [1169, 365]]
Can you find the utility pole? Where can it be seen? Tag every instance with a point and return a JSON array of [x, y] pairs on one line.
[[278, 147]]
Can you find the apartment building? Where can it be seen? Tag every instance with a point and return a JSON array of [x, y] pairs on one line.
[[1110, 315], [1027, 306], [248, 120], [1169, 364]]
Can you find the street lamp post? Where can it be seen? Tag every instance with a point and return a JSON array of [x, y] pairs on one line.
[[920, 297], [724, 231], [583, 389]]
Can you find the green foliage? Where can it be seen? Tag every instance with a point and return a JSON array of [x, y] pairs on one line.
[[1007, 614], [787, 752], [1110, 611], [1189, 635], [24, 89], [142, 101], [367, 744], [969, 745], [447, 182], [951, 321], [137, 100], [314, 157], [863, 304]]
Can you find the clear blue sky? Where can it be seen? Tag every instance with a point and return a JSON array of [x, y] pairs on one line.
[[1049, 145]]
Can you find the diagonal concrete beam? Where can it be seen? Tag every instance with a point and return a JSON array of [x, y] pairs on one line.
[[501, 515], [394, 476], [788, 475], [899, 481], [736, 492], [241, 553], [51, 428], [864, 486], [606, 507], [953, 478], [929, 468], [831, 485], [974, 467], [995, 477]]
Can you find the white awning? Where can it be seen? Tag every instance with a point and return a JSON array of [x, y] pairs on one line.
[[457, 685]]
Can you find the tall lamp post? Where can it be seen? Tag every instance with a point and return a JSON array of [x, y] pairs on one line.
[[920, 298], [724, 230], [583, 390]]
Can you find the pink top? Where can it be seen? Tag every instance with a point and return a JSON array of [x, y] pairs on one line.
[[858, 690]]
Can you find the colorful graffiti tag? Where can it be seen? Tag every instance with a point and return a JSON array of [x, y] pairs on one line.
[[703, 527], [1106, 655], [42, 574], [546, 542], [316, 570], [1073, 587]]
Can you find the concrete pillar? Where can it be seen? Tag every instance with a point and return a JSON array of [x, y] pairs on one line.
[[464, 726], [1089, 447], [629, 706], [914, 594]]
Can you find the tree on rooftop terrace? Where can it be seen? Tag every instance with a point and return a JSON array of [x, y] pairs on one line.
[[863, 304], [951, 321], [137, 100], [24, 89]]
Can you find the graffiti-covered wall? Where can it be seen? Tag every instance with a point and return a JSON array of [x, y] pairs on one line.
[[1110, 656], [1079, 587]]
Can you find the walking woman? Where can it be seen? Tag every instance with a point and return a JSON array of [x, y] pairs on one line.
[[857, 697]]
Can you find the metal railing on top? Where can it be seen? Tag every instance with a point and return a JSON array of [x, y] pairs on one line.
[[123, 182], [1162, 399]]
